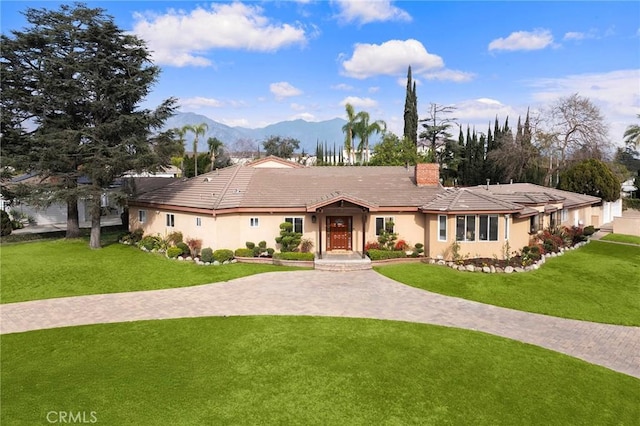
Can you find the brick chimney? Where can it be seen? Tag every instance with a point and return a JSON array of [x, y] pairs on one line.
[[427, 174]]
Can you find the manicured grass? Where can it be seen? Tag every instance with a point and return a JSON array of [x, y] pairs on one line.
[[302, 370], [621, 238], [47, 269], [599, 282]]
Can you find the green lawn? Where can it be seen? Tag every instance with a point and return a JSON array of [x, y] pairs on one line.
[[40, 270], [621, 238], [599, 282], [302, 370]]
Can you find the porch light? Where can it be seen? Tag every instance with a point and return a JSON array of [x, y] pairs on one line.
[[314, 219]]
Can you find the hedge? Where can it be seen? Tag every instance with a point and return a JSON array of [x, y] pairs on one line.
[[375, 254], [294, 255], [222, 255], [244, 252]]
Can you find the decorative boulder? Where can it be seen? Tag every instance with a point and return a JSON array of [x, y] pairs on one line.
[[508, 270]]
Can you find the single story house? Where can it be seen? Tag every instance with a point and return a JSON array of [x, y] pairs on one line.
[[342, 208]]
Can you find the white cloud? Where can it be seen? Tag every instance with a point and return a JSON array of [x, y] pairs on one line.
[[307, 116], [523, 40], [182, 38], [283, 90], [297, 107], [365, 12], [449, 75], [574, 35], [373, 89], [200, 102], [342, 86], [358, 102], [233, 122], [482, 112], [616, 93], [390, 58]]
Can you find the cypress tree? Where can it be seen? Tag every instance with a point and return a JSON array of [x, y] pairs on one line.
[[411, 110]]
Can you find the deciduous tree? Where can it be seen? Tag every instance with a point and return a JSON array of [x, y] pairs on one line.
[[281, 147]]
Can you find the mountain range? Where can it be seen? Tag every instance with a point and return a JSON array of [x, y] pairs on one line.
[[308, 133]]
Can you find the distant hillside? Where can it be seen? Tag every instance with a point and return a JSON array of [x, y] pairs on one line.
[[308, 133]]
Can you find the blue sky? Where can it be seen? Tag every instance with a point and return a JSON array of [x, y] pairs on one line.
[[256, 63]]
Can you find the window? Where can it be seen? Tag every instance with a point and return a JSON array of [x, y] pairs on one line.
[[254, 222], [536, 223], [466, 228], [384, 223], [198, 221], [142, 216], [296, 222], [552, 220], [564, 215], [171, 220], [442, 228], [488, 227]]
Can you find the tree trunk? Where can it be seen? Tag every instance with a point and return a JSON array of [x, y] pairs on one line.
[[94, 241], [73, 224]]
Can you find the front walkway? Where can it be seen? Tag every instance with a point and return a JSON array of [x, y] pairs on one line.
[[362, 294]]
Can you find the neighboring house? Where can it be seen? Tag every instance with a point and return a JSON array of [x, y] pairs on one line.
[[343, 208], [56, 211]]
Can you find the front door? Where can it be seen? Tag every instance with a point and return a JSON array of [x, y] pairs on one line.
[[339, 233]]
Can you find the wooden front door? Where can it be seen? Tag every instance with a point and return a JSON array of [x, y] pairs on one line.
[[339, 233]]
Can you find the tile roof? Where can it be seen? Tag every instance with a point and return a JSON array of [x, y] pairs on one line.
[[246, 187], [377, 188], [531, 194], [466, 200]]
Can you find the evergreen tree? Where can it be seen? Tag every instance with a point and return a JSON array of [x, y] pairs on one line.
[[80, 79], [411, 110]]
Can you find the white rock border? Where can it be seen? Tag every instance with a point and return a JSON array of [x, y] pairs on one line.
[[491, 269]]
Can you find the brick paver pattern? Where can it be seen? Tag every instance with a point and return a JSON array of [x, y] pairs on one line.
[[361, 294]]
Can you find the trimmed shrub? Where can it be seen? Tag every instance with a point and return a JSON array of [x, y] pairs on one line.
[[270, 251], [5, 225], [222, 255], [294, 255], [250, 245], [375, 254], [262, 245], [244, 252], [288, 239], [588, 230], [206, 255], [184, 248], [173, 252]]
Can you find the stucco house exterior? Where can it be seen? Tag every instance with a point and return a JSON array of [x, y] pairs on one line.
[[340, 209]]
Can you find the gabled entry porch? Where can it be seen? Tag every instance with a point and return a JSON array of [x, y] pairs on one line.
[[342, 225]]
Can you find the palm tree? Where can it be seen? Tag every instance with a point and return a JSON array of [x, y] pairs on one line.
[[632, 135], [197, 130], [180, 132], [349, 131], [214, 145], [364, 129]]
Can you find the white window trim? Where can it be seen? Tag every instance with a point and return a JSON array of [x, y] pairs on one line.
[[564, 216], [198, 221], [142, 216], [507, 223], [170, 220], [446, 226], [254, 222]]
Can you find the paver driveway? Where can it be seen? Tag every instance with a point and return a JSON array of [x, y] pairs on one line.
[[363, 294]]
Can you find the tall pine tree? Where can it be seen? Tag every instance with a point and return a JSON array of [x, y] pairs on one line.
[[411, 110]]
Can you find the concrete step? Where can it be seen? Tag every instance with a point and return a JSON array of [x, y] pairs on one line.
[[348, 263]]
